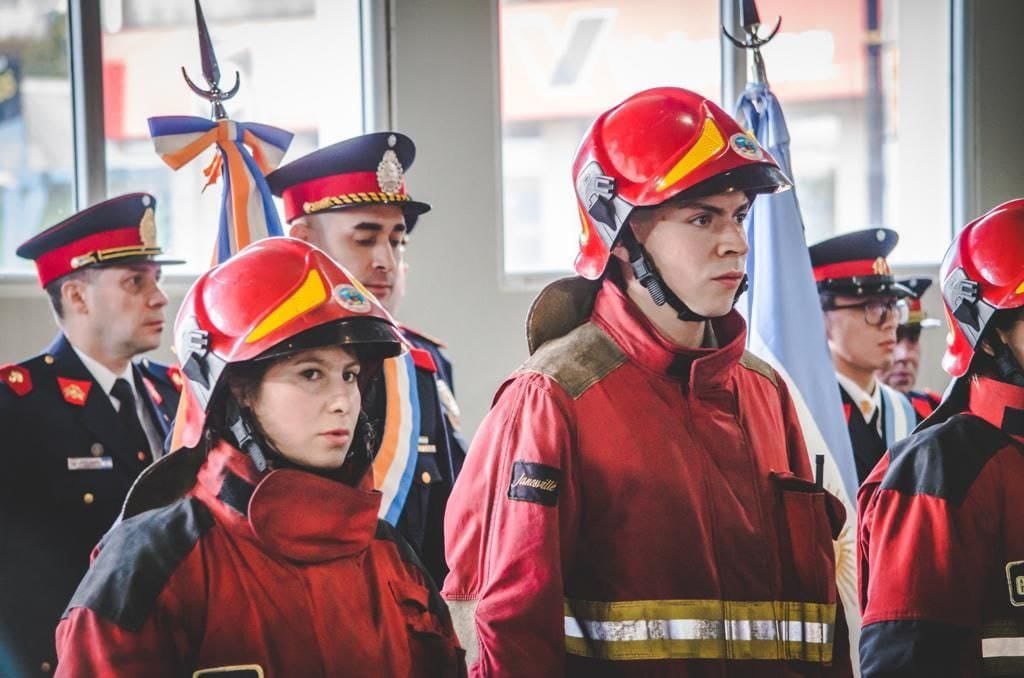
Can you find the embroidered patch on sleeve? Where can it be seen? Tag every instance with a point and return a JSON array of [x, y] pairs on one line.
[[535, 483], [1015, 578]]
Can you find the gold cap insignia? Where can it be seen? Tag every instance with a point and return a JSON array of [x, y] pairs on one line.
[[390, 174], [881, 267], [147, 228]]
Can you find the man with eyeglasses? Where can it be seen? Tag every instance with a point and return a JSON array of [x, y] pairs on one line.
[[902, 375], [863, 305]]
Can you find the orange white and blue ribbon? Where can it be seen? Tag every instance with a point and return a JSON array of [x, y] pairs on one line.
[[247, 152], [247, 207], [395, 463]]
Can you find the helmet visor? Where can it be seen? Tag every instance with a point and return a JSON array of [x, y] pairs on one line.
[[751, 179], [372, 338]]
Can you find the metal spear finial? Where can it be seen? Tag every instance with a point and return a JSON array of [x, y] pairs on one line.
[[211, 71], [751, 22]]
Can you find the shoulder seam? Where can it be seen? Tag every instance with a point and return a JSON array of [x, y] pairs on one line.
[[755, 364], [577, 360]]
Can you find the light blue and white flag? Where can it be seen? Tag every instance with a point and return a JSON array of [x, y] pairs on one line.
[[787, 330]]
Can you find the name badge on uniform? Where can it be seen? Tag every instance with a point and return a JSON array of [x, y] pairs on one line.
[[537, 483], [90, 463]]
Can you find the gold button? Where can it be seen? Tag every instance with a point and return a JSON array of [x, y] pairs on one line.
[[49, 361], [96, 449], [45, 667], [88, 498], [141, 455], [425, 477]]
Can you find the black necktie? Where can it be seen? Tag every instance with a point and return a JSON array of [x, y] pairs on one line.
[[130, 420]]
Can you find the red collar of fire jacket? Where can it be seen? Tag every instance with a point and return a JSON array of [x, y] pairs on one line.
[[1000, 404], [701, 368], [292, 513]]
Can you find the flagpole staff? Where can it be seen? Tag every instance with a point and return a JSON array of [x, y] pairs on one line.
[[751, 22], [211, 72]]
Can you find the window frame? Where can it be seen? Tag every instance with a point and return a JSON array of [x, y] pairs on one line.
[[734, 64], [85, 55]]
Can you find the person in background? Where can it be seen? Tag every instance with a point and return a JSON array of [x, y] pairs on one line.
[[82, 418], [351, 200], [863, 305], [906, 359]]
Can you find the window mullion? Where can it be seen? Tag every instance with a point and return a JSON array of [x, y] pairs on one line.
[[85, 38]]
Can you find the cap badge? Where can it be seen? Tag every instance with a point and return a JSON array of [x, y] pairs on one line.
[[746, 146], [352, 299], [390, 173], [881, 267], [147, 228]]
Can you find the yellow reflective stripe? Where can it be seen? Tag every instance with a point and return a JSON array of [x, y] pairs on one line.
[[700, 629], [311, 294], [709, 143], [700, 609]]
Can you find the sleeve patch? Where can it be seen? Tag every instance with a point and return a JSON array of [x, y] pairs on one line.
[[536, 483]]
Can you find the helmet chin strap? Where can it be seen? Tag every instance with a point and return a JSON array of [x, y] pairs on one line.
[[1006, 364], [264, 454], [647, 275]]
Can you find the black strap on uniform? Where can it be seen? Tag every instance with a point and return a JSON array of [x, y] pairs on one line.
[[647, 275]]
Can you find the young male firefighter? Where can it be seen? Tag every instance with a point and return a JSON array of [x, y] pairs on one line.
[[639, 500]]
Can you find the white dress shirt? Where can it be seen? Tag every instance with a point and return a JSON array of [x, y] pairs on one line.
[[105, 378]]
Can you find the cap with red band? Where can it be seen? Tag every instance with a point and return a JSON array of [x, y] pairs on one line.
[[855, 264], [917, 314], [365, 170], [121, 230]]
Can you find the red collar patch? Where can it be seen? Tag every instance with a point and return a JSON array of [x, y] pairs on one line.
[[18, 378], [75, 391], [174, 374], [153, 393]]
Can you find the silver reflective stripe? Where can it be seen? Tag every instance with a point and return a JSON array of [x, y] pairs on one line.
[[1002, 647], [699, 629]]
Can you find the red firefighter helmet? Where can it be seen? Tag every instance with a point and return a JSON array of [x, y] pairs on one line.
[[982, 272], [276, 296], [654, 146]]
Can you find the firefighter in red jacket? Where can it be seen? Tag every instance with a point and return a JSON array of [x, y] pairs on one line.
[[261, 553], [639, 499], [941, 549]]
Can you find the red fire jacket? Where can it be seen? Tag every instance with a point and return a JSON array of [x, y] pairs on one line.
[[631, 508], [941, 543], [284, 574]]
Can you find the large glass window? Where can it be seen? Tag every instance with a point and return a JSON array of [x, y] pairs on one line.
[[864, 84], [562, 63], [36, 149], [300, 69], [865, 87]]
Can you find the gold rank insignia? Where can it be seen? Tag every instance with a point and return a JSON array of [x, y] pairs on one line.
[[75, 391], [17, 378], [881, 267]]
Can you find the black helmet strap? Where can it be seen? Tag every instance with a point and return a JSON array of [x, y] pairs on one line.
[[647, 275]]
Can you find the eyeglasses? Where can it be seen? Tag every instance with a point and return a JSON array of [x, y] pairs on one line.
[[876, 311]]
